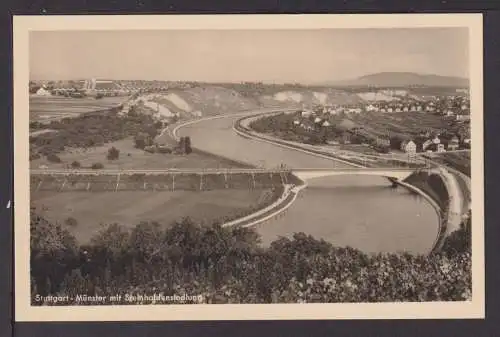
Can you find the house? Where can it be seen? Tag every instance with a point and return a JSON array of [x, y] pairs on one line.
[[462, 118], [326, 124], [317, 120], [405, 109], [307, 125], [43, 92], [296, 122], [389, 109], [440, 148], [383, 141], [453, 144], [306, 113], [409, 147]]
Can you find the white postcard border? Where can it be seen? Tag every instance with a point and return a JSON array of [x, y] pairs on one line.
[[25, 312]]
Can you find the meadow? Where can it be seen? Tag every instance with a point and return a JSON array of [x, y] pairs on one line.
[[44, 108], [132, 158], [93, 210]]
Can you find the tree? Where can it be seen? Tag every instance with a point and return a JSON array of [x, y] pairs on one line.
[[187, 145], [182, 145], [113, 153], [76, 164], [53, 158], [97, 166], [71, 222], [142, 140]]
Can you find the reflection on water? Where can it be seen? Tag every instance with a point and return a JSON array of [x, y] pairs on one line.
[[359, 211]]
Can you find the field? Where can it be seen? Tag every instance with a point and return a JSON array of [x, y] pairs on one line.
[[128, 208], [401, 123], [133, 158], [53, 107]]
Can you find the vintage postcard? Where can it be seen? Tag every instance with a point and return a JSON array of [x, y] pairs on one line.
[[248, 167]]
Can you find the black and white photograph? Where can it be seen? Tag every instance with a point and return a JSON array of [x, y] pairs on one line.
[[166, 164]]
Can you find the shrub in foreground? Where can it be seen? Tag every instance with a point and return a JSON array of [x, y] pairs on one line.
[[227, 265]]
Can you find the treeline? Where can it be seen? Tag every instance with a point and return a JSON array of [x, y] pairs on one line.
[[283, 126], [228, 265], [90, 130]]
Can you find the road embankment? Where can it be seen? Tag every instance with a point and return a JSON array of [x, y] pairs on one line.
[[242, 128], [289, 195], [443, 194]]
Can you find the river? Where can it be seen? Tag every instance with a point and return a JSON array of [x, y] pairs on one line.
[[359, 211]]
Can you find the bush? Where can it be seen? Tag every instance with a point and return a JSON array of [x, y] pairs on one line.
[[53, 158], [34, 156], [76, 164], [227, 265], [71, 222], [97, 166], [113, 153]]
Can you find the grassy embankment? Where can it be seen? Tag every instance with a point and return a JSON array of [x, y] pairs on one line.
[[207, 199]]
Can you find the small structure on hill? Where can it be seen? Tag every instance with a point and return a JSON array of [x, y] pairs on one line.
[[43, 92]]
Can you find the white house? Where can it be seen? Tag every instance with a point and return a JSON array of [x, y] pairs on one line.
[[409, 147], [306, 113], [325, 124], [440, 148], [317, 120], [43, 92]]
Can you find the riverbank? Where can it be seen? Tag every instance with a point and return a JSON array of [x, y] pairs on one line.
[[443, 190], [440, 213], [286, 199]]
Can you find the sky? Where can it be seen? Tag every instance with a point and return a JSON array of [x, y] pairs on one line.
[[302, 56]]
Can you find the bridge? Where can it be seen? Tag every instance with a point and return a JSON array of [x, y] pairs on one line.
[[302, 173]]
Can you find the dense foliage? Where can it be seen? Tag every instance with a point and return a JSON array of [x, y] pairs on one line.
[[90, 130], [227, 265]]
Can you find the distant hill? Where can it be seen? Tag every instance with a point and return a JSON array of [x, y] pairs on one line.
[[403, 79]]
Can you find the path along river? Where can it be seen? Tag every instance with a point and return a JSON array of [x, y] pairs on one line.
[[359, 211]]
